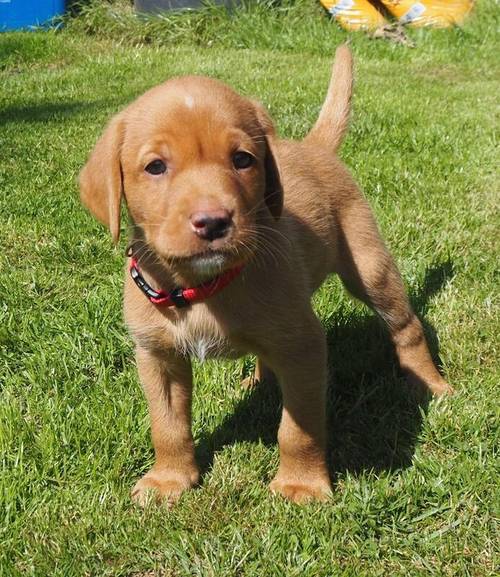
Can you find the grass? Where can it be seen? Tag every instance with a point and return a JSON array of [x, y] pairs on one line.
[[416, 482]]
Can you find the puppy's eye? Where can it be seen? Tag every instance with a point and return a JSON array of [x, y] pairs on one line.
[[156, 167], [242, 159]]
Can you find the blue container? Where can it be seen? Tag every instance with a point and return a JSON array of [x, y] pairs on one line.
[[15, 14]]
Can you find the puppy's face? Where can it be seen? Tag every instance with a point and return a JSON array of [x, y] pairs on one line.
[[196, 170]]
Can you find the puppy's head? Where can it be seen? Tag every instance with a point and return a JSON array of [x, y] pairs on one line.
[[195, 164]]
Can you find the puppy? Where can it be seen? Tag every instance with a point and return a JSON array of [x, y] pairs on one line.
[[233, 230]]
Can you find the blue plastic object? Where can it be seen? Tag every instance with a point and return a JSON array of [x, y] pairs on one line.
[[15, 14]]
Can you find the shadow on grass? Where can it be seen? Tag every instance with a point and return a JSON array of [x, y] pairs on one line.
[[374, 416], [50, 111]]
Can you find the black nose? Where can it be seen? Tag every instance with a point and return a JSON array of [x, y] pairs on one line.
[[211, 225]]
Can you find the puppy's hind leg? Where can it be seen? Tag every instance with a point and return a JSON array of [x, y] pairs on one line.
[[370, 274]]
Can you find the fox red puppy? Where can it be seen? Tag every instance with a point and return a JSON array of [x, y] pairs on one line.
[[233, 229]]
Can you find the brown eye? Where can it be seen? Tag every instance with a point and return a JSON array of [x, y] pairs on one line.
[[156, 167], [242, 159]]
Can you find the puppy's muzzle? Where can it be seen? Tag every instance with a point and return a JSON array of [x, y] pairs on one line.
[[211, 225]]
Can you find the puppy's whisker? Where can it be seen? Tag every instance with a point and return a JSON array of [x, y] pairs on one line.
[[256, 207], [145, 251], [260, 249], [261, 242], [274, 231], [143, 225]]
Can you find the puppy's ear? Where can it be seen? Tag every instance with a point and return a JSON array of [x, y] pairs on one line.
[[274, 189], [101, 183]]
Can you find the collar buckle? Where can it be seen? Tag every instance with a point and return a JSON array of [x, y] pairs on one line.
[[178, 299]]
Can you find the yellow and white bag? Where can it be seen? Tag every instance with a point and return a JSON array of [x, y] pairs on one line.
[[354, 14], [362, 15], [436, 13]]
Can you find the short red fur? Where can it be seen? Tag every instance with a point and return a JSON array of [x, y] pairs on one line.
[[294, 215]]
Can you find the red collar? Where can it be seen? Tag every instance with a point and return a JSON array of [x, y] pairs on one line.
[[182, 297]]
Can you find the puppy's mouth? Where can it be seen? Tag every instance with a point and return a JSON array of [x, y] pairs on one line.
[[209, 262], [206, 263]]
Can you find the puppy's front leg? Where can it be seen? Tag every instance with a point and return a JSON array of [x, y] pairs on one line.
[[300, 365], [167, 381]]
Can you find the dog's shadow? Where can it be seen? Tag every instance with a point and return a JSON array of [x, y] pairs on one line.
[[374, 417]]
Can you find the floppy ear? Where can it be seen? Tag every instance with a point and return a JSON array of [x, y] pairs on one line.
[[274, 189], [101, 178]]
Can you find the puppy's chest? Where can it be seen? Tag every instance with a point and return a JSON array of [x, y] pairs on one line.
[[199, 335]]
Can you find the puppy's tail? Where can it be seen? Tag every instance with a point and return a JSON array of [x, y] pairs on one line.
[[334, 115]]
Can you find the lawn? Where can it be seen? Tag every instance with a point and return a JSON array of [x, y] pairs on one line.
[[415, 480]]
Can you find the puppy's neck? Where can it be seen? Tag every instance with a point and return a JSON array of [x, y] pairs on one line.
[[164, 277]]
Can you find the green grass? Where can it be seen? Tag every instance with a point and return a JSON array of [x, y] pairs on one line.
[[415, 481]]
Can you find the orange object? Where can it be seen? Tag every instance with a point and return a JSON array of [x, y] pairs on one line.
[[354, 14], [437, 13]]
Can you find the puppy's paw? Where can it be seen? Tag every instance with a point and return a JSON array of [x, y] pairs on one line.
[[261, 376], [249, 383], [302, 491], [162, 487], [440, 388], [437, 386]]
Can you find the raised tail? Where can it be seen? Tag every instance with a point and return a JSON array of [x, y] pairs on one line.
[[333, 118]]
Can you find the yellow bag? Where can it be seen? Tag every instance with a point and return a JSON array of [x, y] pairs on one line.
[[437, 13], [354, 14]]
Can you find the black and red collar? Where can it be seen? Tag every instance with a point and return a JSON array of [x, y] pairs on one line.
[[182, 297]]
